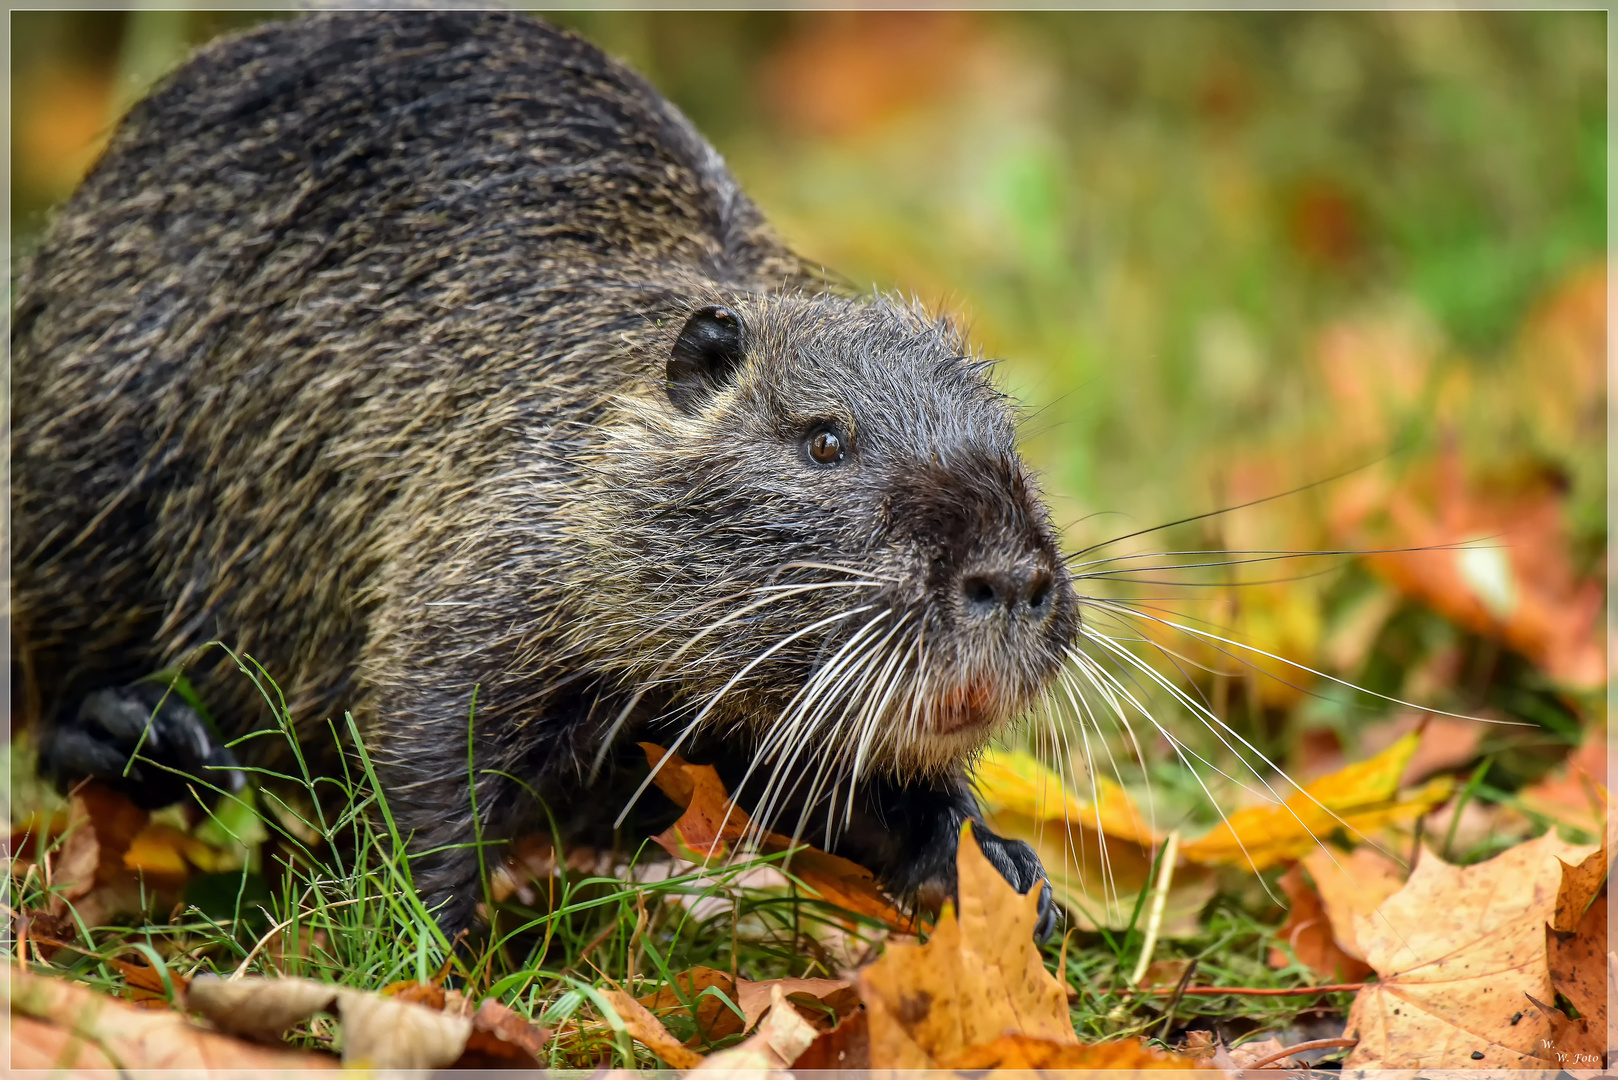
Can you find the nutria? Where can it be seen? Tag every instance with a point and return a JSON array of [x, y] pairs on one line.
[[424, 355]]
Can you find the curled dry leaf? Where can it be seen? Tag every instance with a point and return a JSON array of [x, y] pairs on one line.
[[649, 1031], [258, 1008], [756, 998], [1461, 955], [387, 1034], [501, 1038], [408, 1025], [779, 1041], [711, 824], [379, 1032], [1360, 798], [979, 976], [56, 1024]]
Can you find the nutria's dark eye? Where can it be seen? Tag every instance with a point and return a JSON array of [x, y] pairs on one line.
[[825, 446]]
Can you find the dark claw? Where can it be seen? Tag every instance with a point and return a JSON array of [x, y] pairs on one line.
[[151, 722], [1019, 865]]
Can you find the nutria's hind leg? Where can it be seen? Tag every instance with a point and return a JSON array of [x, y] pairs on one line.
[[174, 752]]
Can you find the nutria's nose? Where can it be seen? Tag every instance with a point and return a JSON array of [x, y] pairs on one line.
[[1023, 589]]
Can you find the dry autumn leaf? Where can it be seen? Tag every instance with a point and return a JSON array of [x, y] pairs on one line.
[[1021, 1052], [1351, 884], [1576, 950], [59, 1025], [1460, 952], [778, 1042], [1359, 798], [416, 1026], [846, 1046], [1018, 782], [756, 998], [1308, 933], [715, 1019], [978, 977], [1098, 855], [1491, 559], [711, 824], [649, 1031]]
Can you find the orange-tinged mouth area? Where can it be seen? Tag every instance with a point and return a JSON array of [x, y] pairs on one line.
[[978, 703]]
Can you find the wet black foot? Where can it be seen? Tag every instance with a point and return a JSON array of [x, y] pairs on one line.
[[176, 754]]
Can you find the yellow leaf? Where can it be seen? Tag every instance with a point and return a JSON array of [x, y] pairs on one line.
[[978, 977], [1018, 782], [1358, 798]]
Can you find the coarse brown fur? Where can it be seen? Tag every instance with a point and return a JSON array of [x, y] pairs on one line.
[[353, 352]]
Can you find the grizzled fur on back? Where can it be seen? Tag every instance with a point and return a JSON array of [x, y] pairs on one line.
[[352, 352]]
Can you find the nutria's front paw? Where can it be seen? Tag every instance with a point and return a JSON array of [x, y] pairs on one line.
[[174, 752], [1019, 865]]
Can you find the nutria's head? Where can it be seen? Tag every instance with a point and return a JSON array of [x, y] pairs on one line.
[[820, 521]]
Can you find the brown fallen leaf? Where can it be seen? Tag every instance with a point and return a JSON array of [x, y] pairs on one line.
[[74, 871], [1025, 1052], [258, 1008], [1351, 884], [1581, 882], [1361, 797], [1308, 931], [711, 824], [1459, 951], [779, 1041], [649, 1031], [111, 858], [846, 1046], [756, 998], [145, 983], [1576, 950], [979, 976], [58, 1024], [714, 1018], [1492, 556], [502, 1039], [1578, 963], [1207, 1051], [1251, 1053]]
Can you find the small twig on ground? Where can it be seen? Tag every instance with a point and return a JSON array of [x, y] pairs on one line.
[[1249, 991], [1179, 994], [1313, 1044]]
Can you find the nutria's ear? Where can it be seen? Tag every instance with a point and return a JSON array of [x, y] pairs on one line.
[[705, 356]]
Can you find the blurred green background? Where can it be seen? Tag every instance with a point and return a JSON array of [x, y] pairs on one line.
[[1222, 255]]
